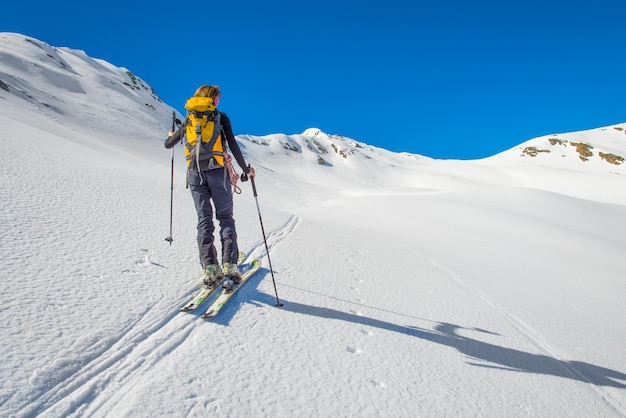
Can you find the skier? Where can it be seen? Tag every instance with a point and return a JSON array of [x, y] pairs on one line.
[[209, 179]]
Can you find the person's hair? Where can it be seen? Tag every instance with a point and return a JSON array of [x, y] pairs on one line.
[[207, 91]]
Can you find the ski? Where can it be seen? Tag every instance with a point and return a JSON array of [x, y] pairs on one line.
[[200, 297], [204, 293], [219, 303]]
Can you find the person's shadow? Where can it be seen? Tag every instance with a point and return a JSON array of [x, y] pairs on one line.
[[446, 334]]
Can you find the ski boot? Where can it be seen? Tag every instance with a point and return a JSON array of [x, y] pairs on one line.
[[212, 275], [232, 276]]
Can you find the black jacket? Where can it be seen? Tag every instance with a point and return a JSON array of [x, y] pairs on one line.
[[228, 136]]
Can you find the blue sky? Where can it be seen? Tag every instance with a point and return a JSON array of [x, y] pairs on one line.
[[445, 79]]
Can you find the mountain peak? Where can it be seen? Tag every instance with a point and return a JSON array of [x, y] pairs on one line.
[[601, 149], [314, 132]]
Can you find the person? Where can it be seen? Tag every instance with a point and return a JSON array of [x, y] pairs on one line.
[[209, 180]]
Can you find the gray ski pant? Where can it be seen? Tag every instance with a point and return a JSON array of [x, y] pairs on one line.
[[214, 185]]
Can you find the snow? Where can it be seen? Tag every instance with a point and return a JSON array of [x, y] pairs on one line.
[[411, 286]]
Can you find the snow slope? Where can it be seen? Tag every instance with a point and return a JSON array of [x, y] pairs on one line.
[[412, 286]]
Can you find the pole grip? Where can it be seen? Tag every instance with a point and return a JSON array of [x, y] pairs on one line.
[[245, 177]]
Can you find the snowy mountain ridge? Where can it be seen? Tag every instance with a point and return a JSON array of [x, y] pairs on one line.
[[587, 164], [601, 148], [67, 83], [44, 76]]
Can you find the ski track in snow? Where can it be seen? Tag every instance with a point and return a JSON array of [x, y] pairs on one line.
[[136, 349], [94, 387], [536, 339], [273, 238]]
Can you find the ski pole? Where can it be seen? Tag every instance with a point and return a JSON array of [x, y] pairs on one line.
[[244, 177], [170, 238]]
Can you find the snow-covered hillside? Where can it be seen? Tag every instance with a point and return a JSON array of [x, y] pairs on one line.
[[411, 286]]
